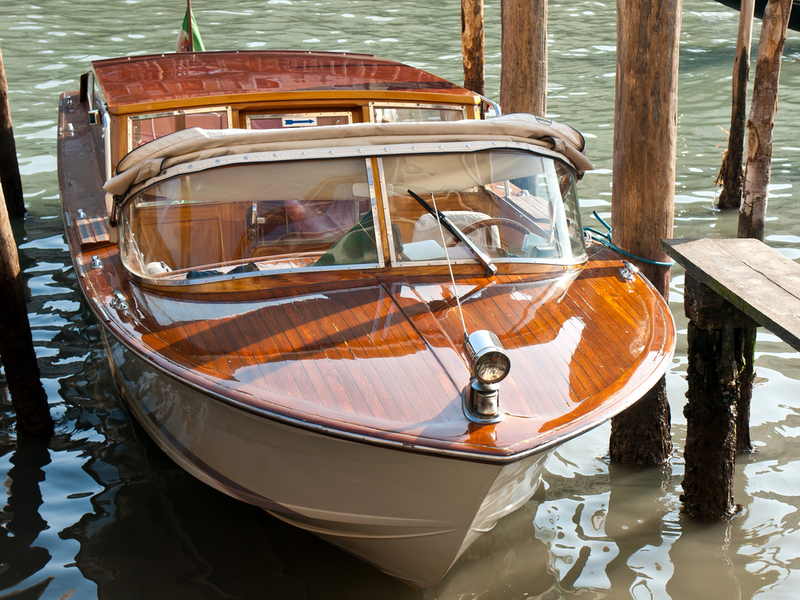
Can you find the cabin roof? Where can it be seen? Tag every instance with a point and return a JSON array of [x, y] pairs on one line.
[[137, 80]]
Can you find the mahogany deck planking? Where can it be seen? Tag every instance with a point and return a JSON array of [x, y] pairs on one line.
[[293, 338], [395, 382], [336, 380], [542, 335], [584, 370], [355, 363]]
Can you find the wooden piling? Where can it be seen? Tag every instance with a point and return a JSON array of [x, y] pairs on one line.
[[473, 45], [9, 167], [28, 397], [753, 210], [713, 399], [643, 186], [731, 174], [762, 118], [764, 287], [523, 75]]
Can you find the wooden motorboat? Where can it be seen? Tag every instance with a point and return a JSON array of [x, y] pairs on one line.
[[330, 289]]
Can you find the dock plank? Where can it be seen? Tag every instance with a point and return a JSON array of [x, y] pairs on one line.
[[758, 280]]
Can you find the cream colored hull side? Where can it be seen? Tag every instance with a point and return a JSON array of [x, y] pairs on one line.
[[407, 513]]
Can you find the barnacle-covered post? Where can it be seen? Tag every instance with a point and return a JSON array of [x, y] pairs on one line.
[[643, 186]]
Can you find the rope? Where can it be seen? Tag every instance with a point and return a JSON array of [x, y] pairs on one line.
[[450, 266], [605, 239]]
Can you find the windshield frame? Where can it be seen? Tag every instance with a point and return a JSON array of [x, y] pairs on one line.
[[373, 156]]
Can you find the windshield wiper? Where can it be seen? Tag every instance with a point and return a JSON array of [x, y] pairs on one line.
[[458, 234]]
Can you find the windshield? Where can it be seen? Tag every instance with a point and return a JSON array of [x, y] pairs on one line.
[[510, 205], [245, 217], [252, 217]]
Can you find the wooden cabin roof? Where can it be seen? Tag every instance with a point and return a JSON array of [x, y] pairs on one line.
[[142, 80]]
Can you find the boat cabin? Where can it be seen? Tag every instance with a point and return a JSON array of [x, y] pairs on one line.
[[234, 164], [146, 97]]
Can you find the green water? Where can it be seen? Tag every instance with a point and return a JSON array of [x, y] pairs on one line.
[[103, 513]]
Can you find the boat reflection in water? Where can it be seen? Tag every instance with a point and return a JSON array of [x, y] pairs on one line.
[[332, 290]]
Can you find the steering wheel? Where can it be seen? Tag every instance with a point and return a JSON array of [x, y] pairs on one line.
[[492, 222]]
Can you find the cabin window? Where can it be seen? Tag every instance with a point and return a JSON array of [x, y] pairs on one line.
[[290, 121], [514, 206], [145, 128], [249, 218], [402, 113]]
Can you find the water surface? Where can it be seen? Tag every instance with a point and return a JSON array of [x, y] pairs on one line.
[[102, 513]]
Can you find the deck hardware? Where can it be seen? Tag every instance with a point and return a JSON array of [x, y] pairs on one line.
[[81, 214], [96, 262], [118, 302], [489, 364], [628, 271]]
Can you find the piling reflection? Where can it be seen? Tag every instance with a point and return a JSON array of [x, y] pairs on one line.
[[20, 521]]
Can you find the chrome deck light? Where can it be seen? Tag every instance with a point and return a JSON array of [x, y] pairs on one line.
[[490, 364]]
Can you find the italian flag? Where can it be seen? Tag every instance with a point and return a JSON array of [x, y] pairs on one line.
[[189, 39]]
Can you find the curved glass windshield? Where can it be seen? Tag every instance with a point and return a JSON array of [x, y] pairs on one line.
[[501, 205], [252, 217], [511, 205]]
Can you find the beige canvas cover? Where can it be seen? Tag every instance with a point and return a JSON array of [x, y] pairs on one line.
[[195, 144]]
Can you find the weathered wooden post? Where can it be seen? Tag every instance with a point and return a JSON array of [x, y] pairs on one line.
[[473, 45], [643, 186], [753, 210], [718, 409], [762, 118], [731, 174], [9, 168], [523, 75], [16, 343]]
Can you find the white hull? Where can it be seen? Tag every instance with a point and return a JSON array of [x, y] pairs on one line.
[[409, 514]]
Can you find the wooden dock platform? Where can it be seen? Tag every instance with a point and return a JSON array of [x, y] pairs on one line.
[[758, 280]]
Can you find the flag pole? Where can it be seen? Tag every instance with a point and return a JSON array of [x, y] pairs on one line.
[[191, 29]]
